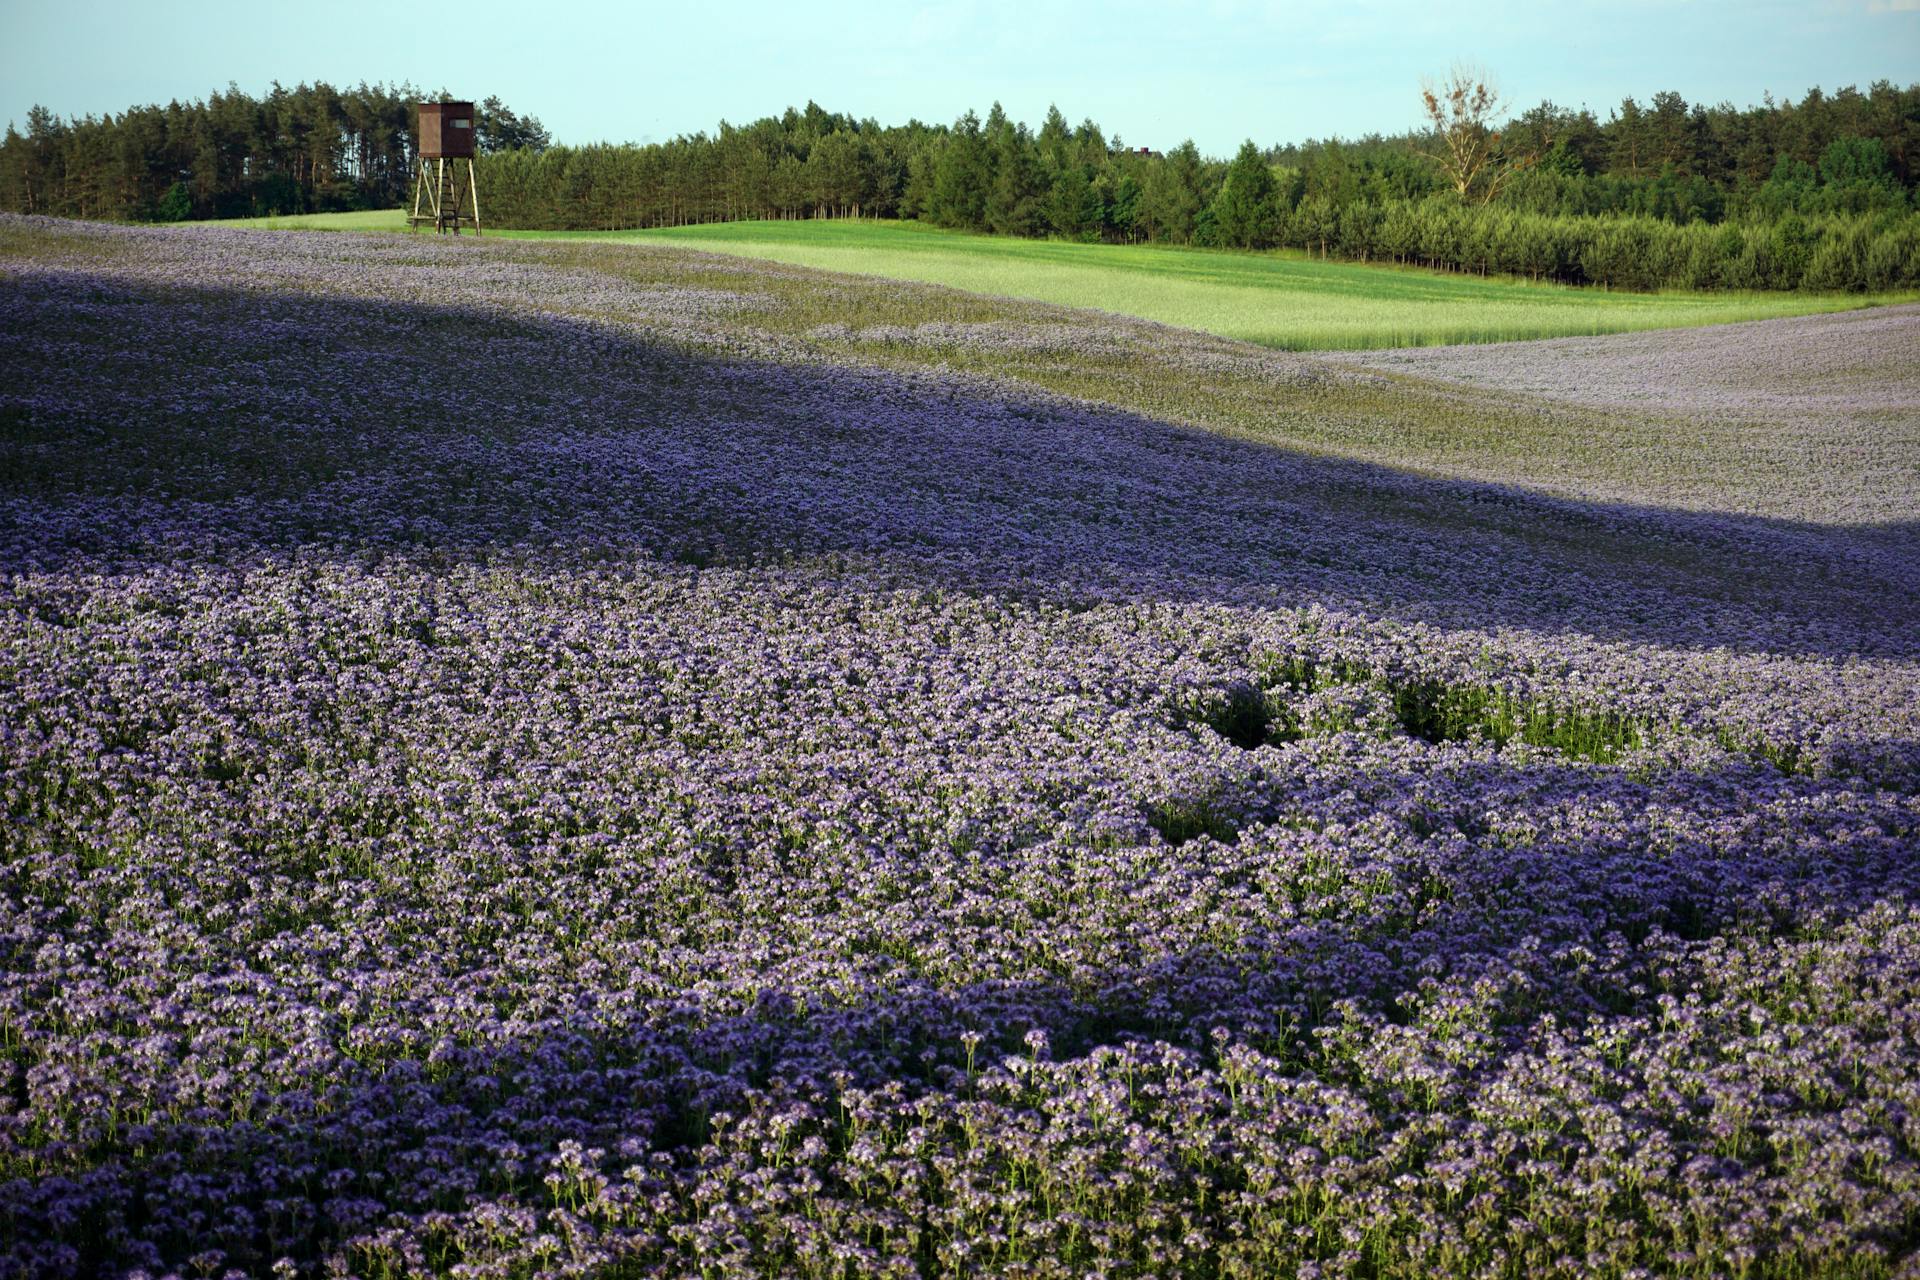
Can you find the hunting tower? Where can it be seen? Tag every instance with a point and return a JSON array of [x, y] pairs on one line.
[[442, 193]]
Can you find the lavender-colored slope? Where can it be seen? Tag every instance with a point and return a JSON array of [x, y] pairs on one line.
[[1828, 406], [1846, 365], [671, 807]]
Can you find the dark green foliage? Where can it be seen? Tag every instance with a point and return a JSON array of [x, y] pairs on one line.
[[1174, 193], [176, 205], [1242, 714], [1848, 161], [312, 148], [1250, 716], [1438, 711], [1816, 194], [1017, 190], [1857, 176], [1074, 206], [1564, 215], [962, 172], [1244, 213], [1179, 821]]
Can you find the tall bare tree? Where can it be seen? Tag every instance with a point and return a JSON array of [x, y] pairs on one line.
[[1462, 110]]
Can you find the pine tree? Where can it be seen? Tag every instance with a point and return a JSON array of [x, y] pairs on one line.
[[1243, 212]]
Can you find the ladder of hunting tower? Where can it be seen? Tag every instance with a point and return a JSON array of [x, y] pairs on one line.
[[442, 193]]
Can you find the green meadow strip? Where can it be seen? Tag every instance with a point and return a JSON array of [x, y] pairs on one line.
[[1278, 299]]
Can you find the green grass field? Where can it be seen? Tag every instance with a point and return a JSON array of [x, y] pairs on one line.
[[1276, 299]]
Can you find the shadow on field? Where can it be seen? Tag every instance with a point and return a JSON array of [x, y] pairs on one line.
[[155, 425], [412, 1127]]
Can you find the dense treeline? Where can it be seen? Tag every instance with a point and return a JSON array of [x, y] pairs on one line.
[[1817, 193], [312, 148]]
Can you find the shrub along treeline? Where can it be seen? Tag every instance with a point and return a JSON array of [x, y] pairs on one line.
[[1811, 194], [309, 149]]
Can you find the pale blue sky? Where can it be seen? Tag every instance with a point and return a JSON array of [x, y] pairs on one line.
[[1217, 72]]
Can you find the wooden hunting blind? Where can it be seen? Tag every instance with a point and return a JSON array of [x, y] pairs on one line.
[[446, 130], [442, 192]]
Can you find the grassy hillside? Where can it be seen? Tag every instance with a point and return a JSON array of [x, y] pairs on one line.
[[1275, 299]]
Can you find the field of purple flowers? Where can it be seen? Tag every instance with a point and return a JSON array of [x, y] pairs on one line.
[[551, 760]]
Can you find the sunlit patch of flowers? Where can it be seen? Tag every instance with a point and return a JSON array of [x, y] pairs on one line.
[[655, 812], [1815, 413]]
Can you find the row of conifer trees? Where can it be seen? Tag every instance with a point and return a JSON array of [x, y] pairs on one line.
[[1072, 185], [1815, 194], [310, 148]]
